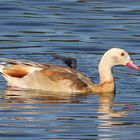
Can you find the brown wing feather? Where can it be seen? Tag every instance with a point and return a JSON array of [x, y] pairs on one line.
[[63, 71], [17, 68], [16, 71], [59, 75]]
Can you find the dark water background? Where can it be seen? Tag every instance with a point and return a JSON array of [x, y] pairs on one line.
[[84, 29]]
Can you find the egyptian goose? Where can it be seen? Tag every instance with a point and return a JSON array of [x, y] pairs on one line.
[[32, 75]]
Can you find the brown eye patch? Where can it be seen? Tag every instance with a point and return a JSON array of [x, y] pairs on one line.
[[122, 54]]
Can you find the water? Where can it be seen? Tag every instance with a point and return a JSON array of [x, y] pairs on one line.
[[84, 29]]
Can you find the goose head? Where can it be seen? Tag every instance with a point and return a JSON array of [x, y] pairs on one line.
[[116, 57]]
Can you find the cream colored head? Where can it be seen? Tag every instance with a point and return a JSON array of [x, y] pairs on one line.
[[111, 58], [116, 56]]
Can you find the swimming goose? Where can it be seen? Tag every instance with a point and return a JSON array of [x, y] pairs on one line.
[[47, 77]]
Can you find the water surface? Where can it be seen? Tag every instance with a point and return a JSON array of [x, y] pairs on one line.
[[83, 29]]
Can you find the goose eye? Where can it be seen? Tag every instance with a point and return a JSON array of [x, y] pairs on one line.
[[122, 54]]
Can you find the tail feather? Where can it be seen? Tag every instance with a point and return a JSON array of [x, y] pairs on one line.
[[69, 61], [17, 68], [8, 62]]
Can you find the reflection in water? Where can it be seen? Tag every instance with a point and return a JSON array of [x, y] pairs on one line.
[[106, 110], [60, 113], [106, 103], [37, 96], [42, 97], [83, 29]]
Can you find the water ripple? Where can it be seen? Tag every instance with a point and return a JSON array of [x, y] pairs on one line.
[[83, 29]]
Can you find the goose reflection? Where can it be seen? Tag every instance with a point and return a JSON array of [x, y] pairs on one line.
[[105, 113], [105, 106], [38, 96]]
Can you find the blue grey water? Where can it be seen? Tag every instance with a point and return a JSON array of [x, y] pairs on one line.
[[83, 29]]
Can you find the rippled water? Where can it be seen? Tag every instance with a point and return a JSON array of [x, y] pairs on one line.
[[84, 29]]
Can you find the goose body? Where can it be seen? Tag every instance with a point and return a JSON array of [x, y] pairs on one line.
[[47, 77]]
